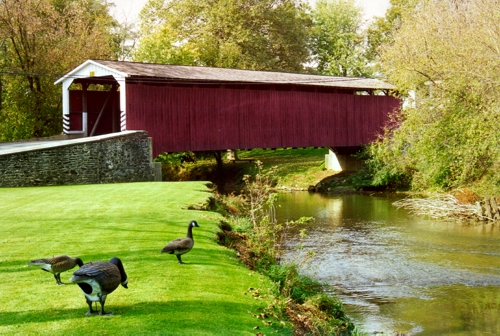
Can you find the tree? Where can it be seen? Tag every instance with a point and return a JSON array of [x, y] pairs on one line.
[[448, 53], [259, 35], [42, 40], [381, 31], [337, 44]]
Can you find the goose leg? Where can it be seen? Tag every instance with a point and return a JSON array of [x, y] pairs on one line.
[[179, 258], [103, 313], [91, 311], [58, 279]]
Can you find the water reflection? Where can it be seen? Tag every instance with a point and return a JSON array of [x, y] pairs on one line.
[[397, 272]]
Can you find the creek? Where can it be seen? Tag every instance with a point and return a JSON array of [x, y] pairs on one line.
[[397, 273]]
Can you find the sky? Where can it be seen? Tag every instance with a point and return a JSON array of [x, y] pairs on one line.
[[128, 10]]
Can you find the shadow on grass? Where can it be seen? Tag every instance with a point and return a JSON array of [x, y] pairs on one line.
[[115, 228], [144, 256], [15, 266], [179, 229], [11, 318], [183, 312]]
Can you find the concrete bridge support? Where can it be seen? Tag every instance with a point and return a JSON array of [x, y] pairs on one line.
[[342, 161]]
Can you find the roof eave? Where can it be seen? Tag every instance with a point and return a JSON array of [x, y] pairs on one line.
[[83, 65]]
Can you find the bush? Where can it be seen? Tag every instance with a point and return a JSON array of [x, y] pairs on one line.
[[291, 284]]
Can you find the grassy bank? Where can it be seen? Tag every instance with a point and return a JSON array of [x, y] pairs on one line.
[[296, 168], [208, 296]]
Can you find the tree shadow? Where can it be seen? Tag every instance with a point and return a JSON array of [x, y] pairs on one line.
[[198, 316]]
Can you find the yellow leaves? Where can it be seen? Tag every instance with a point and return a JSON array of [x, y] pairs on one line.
[[256, 293], [47, 38], [443, 40], [447, 51]]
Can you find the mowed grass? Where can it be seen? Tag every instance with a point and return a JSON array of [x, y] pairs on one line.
[[207, 296]]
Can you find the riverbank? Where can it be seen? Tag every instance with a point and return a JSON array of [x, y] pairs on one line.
[[249, 230], [212, 294], [304, 170], [297, 170]]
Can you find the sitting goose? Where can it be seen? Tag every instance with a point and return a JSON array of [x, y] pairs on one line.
[[57, 265], [97, 279], [181, 246]]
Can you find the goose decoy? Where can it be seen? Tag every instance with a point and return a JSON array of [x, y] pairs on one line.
[[97, 279], [181, 246], [57, 265]]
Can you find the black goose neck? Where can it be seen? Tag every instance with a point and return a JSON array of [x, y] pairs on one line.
[[118, 263], [190, 231]]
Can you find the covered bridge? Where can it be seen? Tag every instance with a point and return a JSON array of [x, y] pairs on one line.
[[188, 108]]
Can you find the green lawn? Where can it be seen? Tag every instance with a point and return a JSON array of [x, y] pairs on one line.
[[207, 296]]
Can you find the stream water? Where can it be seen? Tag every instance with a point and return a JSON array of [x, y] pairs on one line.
[[397, 273]]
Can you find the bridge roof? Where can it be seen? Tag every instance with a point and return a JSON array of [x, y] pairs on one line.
[[182, 73]]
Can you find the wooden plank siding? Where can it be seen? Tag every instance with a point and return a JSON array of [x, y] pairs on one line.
[[198, 118], [95, 102]]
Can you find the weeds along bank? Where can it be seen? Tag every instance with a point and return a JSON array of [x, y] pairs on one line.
[[246, 200], [251, 229]]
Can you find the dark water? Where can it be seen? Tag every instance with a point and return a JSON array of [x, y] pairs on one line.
[[399, 273]]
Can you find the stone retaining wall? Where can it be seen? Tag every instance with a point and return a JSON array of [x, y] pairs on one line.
[[111, 158]]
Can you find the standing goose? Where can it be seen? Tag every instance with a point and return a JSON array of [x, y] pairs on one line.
[[57, 265], [181, 246], [98, 279]]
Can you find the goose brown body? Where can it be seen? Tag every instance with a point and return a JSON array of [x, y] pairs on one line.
[[57, 265], [98, 279], [181, 246]]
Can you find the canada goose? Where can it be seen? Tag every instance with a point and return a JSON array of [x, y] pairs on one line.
[[57, 265], [97, 279], [181, 246]]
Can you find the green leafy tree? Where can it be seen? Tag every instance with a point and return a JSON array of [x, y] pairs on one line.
[[381, 31], [42, 39], [259, 35], [447, 52], [337, 44]]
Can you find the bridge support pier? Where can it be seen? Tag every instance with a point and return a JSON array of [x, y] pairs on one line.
[[343, 159], [331, 161]]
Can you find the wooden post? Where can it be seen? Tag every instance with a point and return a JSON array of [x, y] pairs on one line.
[[479, 210], [84, 109], [487, 207], [494, 208]]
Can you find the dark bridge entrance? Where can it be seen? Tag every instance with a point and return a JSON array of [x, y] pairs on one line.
[[187, 108]]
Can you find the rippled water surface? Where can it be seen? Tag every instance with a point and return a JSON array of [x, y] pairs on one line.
[[396, 272]]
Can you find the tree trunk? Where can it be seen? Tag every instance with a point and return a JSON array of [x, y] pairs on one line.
[[218, 158]]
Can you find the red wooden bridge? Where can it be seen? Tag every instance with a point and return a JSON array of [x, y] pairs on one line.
[[185, 108]]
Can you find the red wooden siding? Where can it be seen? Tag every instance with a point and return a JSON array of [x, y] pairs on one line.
[[190, 118], [95, 101]]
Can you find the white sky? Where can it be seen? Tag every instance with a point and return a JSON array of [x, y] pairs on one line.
[[372, 8], [128, 10]]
